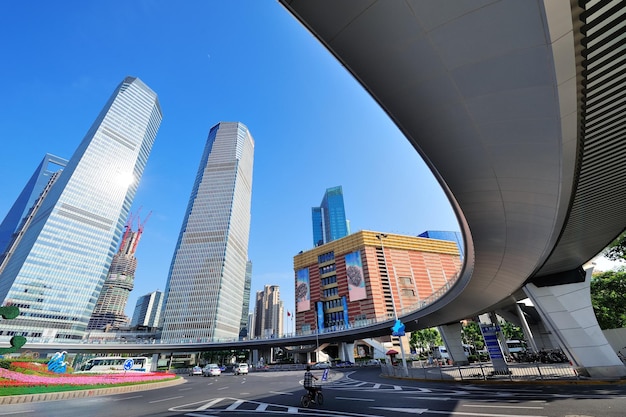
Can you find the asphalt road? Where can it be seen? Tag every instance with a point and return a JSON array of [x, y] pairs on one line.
[[359, 392]]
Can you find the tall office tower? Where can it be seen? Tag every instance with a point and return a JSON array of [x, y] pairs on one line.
[[243, 326], [26, 221], [251, 324], [268, 312], [58, 268], [148, 310], [34, 187], [329, 219], [109, 311], [205, 286]]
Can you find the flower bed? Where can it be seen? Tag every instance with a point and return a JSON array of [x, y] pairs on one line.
[[14, 378]]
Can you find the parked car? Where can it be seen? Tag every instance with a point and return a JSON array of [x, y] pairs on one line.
[[211, 370], [344, 364], [321, 365], [241, 369], [372, 362], [196, 370]]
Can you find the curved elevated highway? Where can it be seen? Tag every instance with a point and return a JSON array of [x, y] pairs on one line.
[[519, 109]]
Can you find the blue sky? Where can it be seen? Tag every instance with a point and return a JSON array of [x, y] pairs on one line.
[[209, 61]]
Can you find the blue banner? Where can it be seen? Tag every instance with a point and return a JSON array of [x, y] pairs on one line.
[[346, 320], [320, 316]]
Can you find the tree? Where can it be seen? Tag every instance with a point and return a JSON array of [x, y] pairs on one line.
[[616, 251], [472, 335], [608, 298], [511, 331], [425, 339]]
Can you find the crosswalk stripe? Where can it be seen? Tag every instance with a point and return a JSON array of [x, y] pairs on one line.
[[210, 404], [234, 405]]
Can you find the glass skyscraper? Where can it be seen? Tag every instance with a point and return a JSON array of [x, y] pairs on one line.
[[245, 311], [329, 219], [34, 187], [148, 310], [60, 264], [205, 287]]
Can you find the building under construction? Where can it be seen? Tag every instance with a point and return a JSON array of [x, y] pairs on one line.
[[109, 310]]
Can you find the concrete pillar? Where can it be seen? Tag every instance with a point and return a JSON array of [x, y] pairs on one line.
[[566, 309], [155, 362], [528, 334], [452, 338], [346, 351]]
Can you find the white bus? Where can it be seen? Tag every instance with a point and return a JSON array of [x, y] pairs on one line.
[[114, 364]]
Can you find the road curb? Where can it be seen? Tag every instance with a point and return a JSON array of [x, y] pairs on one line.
[[66, 395]]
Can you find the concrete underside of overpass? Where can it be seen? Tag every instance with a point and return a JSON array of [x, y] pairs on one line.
[[505, 101], [488, 94]]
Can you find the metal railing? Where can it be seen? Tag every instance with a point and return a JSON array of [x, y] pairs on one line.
[[483, 371]]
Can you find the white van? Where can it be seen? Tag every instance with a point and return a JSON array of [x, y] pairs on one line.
[[516, 346], [440, 352]]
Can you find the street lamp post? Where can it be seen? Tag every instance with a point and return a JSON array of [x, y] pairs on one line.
[[380, 237]]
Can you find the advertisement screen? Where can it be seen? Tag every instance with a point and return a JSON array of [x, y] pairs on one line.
[[356, 280], [303, 292]]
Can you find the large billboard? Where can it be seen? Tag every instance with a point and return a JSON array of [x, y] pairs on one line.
[[356, 280], [303, 292]]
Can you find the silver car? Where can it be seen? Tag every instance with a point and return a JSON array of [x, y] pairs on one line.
[[211, 370]]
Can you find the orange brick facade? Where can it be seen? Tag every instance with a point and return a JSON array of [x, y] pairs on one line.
[[417, 267]]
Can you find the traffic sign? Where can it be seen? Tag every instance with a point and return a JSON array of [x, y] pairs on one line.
[[128, 364]]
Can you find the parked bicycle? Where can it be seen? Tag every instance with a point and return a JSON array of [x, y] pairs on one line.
[[315, 397]]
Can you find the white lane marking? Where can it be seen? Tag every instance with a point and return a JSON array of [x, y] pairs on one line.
[[234, 405], [354, 399], [281, 393], [431, 398], [262, 407], [210, 404], [223, 388], [17, 412], [128, 398], [376, 386], [166, 399], [501, 406], [185, 389], [448, 413]]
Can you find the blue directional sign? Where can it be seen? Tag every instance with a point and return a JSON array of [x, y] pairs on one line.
[[397, 329], [325, 375], [128, 364]]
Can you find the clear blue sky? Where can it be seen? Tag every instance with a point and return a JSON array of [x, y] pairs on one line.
[[210, 61]]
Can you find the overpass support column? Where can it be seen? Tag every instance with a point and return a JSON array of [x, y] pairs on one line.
[[452, 338], [566, 310], [254, 357], [155, 362], [346, 351], [526, 328]]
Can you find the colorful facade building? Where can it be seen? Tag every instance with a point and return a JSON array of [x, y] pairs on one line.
[[369, 276]]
